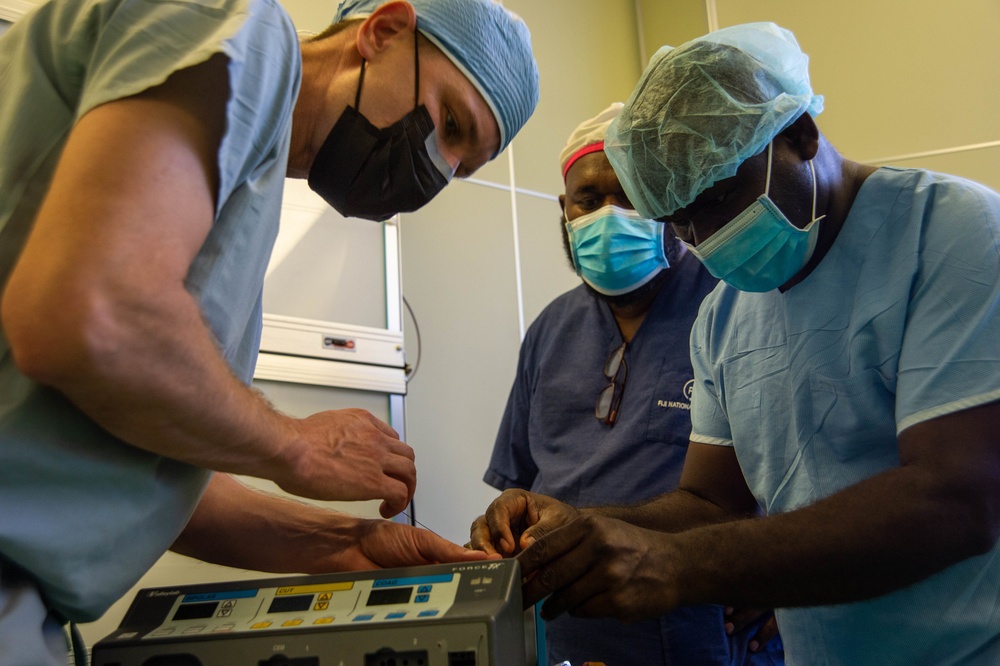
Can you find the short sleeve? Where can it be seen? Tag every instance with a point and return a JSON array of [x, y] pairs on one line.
[[709, 424], [950, 356], [140, 43], [511, 464]]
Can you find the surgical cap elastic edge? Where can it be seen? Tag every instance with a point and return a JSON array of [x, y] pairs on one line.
[[490, 46]]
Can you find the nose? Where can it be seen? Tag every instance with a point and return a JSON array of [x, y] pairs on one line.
[[702, 232], [450, 156]]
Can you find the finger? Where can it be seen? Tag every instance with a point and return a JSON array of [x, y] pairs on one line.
[[767, 631], [396, 496], [739, 619], [398, 448], [499, 516], [404, 471], [480, 538], [549, 564], [378, 423], [536, 532], [578, 598], [434, 549]]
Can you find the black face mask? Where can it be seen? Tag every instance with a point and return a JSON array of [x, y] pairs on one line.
[[363, 171]]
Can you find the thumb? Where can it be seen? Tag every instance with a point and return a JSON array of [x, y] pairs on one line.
[[533, 534]]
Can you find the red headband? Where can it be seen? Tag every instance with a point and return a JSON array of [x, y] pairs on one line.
[[586, 150]]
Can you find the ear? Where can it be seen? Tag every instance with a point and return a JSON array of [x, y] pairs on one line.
[[387, 23], [562, 203], [802, 137]]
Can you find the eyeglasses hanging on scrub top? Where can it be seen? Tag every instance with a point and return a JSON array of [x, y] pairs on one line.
[[610, 398]]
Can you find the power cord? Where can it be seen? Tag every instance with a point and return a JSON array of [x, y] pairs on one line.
[[411, 372]]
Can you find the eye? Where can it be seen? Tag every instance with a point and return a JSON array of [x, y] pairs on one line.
[[450, 125], [682, 228]]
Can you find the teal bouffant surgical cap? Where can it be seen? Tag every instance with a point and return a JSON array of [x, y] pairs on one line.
[[701, 109], [490, 45]]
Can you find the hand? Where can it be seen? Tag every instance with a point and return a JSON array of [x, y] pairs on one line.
[[381, 544], [600, 567], [348, 454], [739, 619], [515, 520]]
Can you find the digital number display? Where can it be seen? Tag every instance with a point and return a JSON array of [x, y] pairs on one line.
[[291, 604], [196, 611], [392, 595]]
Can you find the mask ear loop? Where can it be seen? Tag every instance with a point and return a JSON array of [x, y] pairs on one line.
[[767, 181], [357, 93], [416, 82], [812, 170], [416, 67]]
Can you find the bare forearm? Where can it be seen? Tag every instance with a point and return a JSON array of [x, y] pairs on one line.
[[882, 534], [672, 512], [240, 527]]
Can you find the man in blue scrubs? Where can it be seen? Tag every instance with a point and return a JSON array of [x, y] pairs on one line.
[[144, 151], [586, 432], [847, 379]]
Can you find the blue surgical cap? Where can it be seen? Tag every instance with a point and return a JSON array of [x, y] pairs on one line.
[[490, 45], [701, 109]]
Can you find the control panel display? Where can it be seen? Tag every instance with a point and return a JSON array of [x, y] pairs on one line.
[[395, 595], [195, 611], [291, 604]]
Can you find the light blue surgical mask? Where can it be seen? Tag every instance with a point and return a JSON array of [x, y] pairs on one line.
[[615, 250], [760, 250]]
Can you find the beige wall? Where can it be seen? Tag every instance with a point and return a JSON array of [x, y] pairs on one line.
[[670, 22], [899, 76]]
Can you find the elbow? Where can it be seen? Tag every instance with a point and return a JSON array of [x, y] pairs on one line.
[[54, 340], [975, 517]]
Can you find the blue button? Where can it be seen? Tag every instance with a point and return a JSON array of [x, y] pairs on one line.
[[362, 618], [422, 598], [424, 589], [395, 616], [427, 613]]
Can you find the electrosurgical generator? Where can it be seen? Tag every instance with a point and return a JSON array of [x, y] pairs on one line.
[[462, 614]]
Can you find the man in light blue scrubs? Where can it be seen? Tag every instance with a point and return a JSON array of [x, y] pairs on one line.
[[144, 149], [847, 379]]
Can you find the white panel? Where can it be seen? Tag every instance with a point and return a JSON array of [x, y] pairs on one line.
[[324, 266], [338, 342], [330, 373]]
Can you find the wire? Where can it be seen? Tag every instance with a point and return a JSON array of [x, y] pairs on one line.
[[412, 372], [79, 646]]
